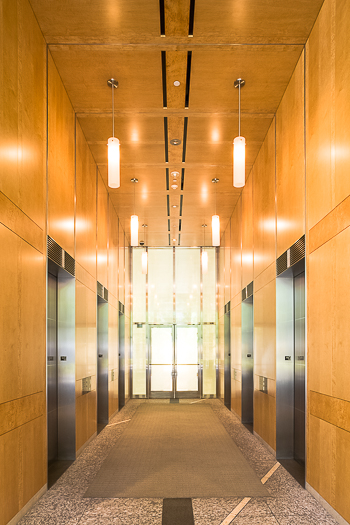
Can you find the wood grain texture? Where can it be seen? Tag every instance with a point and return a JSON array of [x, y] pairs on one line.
[[331, 225], [247, 232], [265, 331], [102, 233], [290, 162]]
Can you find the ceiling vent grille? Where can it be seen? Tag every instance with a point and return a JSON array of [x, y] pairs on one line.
[[121, 308], [69, 264], [55, 252], [290, 257], [100, 290], [247, 291], [105, 294], [227, 307]]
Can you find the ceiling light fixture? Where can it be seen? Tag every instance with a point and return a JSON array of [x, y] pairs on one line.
[[175, 142], [239, 145], [113, 147], [204, 253], [174, 206], [215, 222], [174, 174], [134, 222], [177, 83], [144, 256]]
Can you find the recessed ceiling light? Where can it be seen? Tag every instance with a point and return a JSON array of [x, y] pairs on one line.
[[174, 240], [174, 206], [177, 83], [175, 142], [174, 186], [175, 173]]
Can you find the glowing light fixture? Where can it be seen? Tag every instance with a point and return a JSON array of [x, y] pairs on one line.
[[239, 145], [134, 223], [113, 147], [215, 223], [144, 256], [204, 253]]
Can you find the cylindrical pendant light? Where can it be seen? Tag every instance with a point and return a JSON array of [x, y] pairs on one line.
[[215, 222], [204, 253], [134, 222], [239, 145], [113, 147], [144, 262], [134, 230]]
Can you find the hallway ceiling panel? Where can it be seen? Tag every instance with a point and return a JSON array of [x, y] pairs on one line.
[[94, 40]]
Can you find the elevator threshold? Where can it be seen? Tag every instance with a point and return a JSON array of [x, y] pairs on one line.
[[55, 471], [295, 469]]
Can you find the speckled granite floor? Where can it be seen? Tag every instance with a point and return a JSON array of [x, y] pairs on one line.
[[289, 503]]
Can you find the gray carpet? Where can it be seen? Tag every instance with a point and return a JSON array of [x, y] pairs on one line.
[[175, 451]]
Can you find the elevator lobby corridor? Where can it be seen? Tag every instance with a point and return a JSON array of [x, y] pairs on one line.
[[287, 504]]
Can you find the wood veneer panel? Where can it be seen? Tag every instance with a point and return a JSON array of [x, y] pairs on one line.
[[85, 223], [320, 446], [102, 233], [61, 160], [290, 163], [18, 412], [331, 225], [247, 232], [236, 253], [85, 332], [265, 331], [264, 205], [330, 409]]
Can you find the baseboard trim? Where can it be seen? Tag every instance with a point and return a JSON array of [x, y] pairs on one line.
[[28, 506], [78, 452], [326, 505], [266, 445]]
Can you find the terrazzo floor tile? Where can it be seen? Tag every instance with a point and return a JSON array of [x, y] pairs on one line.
[[258, 520], [124, 512], [212, 511]]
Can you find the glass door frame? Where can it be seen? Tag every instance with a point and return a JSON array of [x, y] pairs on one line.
[[197, 394], [159, 394]]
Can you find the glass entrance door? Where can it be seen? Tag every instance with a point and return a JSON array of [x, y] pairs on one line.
[[162, 361], [187, 362], [174, 368]]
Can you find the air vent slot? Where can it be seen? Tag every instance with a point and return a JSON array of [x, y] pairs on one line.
[[167, 178], [250, 289], [188, 79], [55, 252], [244, 294], [121, 308], [291, 256], [105, 294], [169, 239], [168, 205], [182, 178], [165, 101], [191, 21], [100, 289], [69, 264], [166, 139], [184, 139], [181, 204], [168, 225], [179, 239], [227, 307], [297, 251], [162, 17], [180, 224]]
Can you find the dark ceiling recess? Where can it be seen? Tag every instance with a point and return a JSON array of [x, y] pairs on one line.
[[168, 225], [166, 139], [191, 22], [181, 203], [165, 100], [180, 224], [167, 178], [188, 79], [168, 205], [162, 17], [169, 239], [184, 139], [178, 242], [182, 178]]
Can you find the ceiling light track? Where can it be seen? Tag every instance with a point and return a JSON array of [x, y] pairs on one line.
[[162, 17], [182, 179], [164, 81], [184, 144], [167, 178], [191, 20], [181, 204], [188, 79], [166, 139]]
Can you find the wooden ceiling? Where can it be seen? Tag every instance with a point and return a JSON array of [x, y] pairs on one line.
[[94, 40]]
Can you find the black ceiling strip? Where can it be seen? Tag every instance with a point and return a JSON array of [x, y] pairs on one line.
[[166, 139], [179, 240], [180, 220], [165, 101], [167, 178], [181, 202], [168, 225], [188, 79], [190, 26], [184, 139], [168, 205], [182, 178], [162, 17], [169, 239]]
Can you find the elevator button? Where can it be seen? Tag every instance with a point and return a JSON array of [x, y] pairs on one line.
[[63, 358], [249, 355], [288, 358], [100, 355]]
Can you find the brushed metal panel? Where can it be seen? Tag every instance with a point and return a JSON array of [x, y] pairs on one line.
[[121, 378], [102, 361], [66, 364], [227, 360], [247, 360], [52, 400], [285, 367], [299, 368]]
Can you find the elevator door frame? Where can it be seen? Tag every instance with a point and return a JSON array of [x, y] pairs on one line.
[[247, 401], [174, 393], [102, 362], [227, 360]]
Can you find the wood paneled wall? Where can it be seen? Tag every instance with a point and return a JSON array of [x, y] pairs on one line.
[[300, 185], [58, 195]]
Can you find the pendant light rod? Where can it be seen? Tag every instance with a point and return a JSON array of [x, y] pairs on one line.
[[204, 226], [239, 83], [215, 181], [134, 181], [113, 84]]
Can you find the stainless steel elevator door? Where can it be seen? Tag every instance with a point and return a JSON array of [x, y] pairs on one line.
[[247, 360], [227, 360], [52, 391], [121, 373], [299, 368], [102, 362]]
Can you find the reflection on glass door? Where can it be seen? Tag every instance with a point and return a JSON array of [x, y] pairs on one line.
[[161, 361], [187, 361]]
